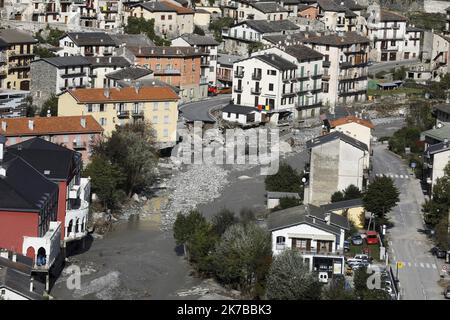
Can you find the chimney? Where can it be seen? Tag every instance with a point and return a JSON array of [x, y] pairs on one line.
[[327, 217], [31, 284], [106, 92], [4, 125], [83, 122], [31, 124], [137, 86]]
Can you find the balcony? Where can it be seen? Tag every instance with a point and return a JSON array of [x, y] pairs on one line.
[[237, 89], [256, 76], [167, 72], [256, 91], [19, 54], [16, 66], [44, 249], [137, 114], [239, 74], [73, 75], [315, 252], [288, 94], [123, 114], [77, 217]]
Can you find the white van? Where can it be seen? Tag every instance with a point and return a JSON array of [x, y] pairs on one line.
[[323, 277]]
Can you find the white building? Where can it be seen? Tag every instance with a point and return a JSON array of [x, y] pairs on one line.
[[436, 158], [101, 66], [266, 82], [355, 127], [318, 235], [344, 78], [206, 45], [308, 87], [389, 39], [87, 44], [439, 56], [336, 161], [242, 10], [339, 16], [239, 38]]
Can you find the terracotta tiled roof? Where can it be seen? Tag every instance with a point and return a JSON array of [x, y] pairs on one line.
[[179, 9], [48, 125], [349, 119], [129, 94]]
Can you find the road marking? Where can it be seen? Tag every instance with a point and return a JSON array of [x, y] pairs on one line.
[[434, 266], [396, 175], [409, 264], [428, 265], [421, 265], [401, 176]]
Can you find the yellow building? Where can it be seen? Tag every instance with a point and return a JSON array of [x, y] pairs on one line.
[[117, 106], [18, 56], [352, 209]]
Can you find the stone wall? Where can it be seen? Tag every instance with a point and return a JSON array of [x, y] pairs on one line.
[[43, 80]]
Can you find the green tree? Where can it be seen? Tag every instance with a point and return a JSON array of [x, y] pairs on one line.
[[288, 202], [218, 25], [254, 47], [50, 104], [442, 233], [337, 290], [132, 148], [198, 30], [140, 25], [30, 107], [399, 74], [52, 37], [223, 220], [42, 52], [352, 192], [337, 196], [289, 278], [242, 258], [105, 179], [285, 180], [381, 196]]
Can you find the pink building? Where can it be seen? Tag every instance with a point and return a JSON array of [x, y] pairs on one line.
[[74, 132]]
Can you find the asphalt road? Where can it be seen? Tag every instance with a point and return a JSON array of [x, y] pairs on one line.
[[200, 110], [418, 278], [387, 66]]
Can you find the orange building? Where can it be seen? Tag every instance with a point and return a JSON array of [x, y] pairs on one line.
[[177, 66], [308, 12]]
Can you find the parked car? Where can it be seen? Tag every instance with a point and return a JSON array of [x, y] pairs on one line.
[[372, 237], [438, 252], [447, 292], [357, 240], [346, 245]]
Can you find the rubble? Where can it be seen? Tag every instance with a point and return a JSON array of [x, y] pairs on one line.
[[198, 184]]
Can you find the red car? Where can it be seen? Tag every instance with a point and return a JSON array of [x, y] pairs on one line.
[[372, 237]]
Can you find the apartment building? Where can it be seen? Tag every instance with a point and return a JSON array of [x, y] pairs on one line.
[[308, 85], [206, 45], [99, 67], [177, 66], [266, 83], [76, 133], [117, 106], [336, 161], [241, 10], [18, 56], [344, 78], [387, 33], [13, 103], [51, 76], [171, 20], [225, 69], [339, 16], [239, 38], [436, 157], [439, 64], [86, 44]]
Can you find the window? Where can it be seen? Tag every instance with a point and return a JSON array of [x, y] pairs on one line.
[[163, 17], [270, 86], [169, 17], [166, 119], [155, 106], [89, 107], [103, 121], [272, 72], [66, 138], [101, 107], [281, 240], [165, 133], [155, 119], [167, 105]]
